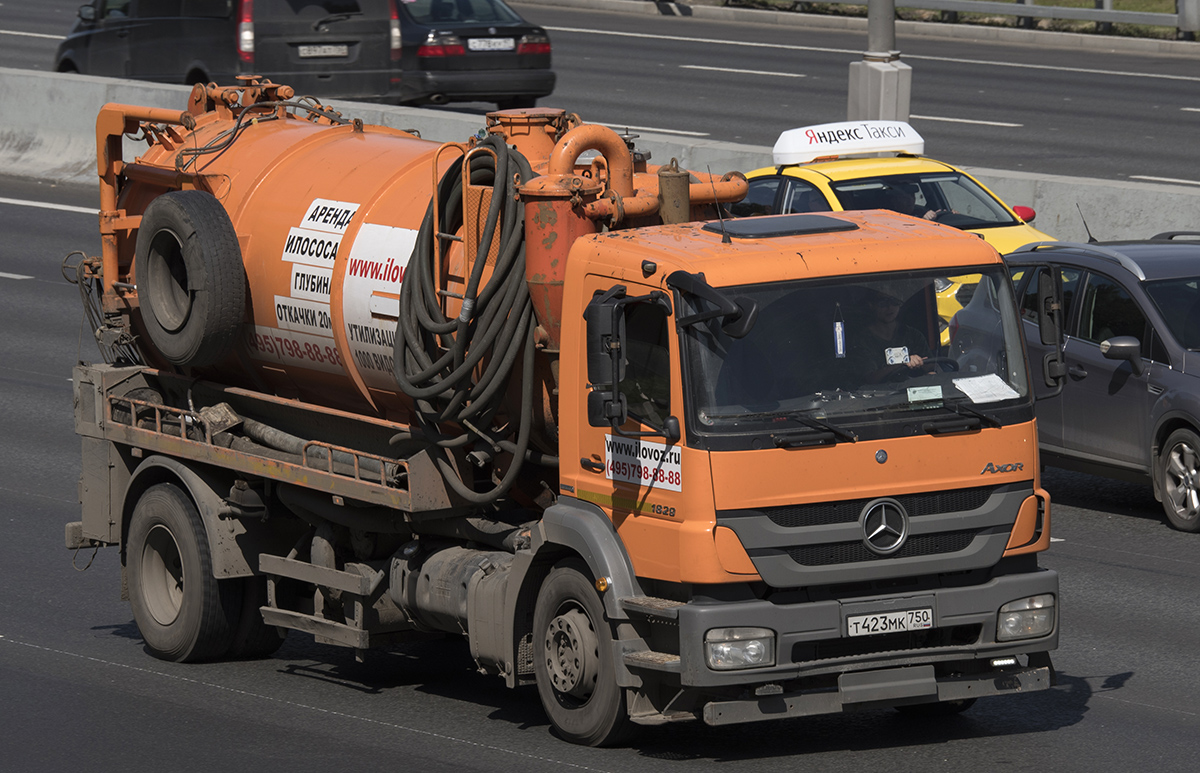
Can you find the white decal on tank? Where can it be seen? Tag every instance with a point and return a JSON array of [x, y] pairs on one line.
[[311, 283], [375, 265], [328, 215], [313, 248], [303, 316]]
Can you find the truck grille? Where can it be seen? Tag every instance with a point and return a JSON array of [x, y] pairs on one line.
[[805, 545], [828, 513], [952, 636], [852, 552]]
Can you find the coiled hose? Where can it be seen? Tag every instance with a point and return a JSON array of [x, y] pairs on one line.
[[436, 359]]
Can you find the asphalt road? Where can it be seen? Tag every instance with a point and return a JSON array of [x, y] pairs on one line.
[[1048, 108], [78, 691]]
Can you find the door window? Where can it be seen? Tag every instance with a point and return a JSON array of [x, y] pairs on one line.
[[760, 199], [803, 197], [647, 382], [1108, 311], [1070, 283]]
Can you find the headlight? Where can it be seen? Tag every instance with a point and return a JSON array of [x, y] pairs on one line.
[[730, 648], [1026, 618]]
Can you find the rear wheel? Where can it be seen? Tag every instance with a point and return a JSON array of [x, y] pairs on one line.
[[183, 612], [1179, 480], [573, 663]]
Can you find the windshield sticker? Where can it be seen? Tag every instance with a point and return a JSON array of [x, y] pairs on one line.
[[985, 389], [643, 463], [924, 393], [896, 355]]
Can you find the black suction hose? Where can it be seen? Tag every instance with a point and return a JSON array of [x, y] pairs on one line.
[[435, 358]]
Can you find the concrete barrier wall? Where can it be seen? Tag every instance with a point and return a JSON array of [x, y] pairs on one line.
[[47, 132]]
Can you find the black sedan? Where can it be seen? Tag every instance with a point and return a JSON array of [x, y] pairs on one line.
[[471, 50]]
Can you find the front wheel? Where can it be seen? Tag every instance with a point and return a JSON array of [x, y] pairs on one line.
[[1179, 480], [183, 612], [573, 662]]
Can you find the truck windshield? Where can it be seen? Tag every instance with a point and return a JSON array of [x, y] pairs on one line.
[[858, 357]]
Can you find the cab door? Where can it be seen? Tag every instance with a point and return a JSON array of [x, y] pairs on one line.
[[637, 471], [1048, 390], [1106, 403]]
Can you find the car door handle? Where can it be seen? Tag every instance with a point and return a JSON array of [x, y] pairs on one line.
[[1077, 371], [591, 464]]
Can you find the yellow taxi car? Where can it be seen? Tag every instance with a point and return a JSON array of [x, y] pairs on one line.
[[879, 165]]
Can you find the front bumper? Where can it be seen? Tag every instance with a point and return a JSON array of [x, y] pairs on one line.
[[820, 669], [880, 688], [477, 85]]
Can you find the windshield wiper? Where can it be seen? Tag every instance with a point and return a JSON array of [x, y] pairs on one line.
[[317, 25], [829, 434], [971, 419], [987, 418]]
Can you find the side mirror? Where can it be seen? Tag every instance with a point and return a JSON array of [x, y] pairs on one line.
[[606, 340], [1124, 348], [1025, 213], [87, 12]]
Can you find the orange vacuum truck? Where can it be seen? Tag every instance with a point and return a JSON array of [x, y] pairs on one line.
[[531, 391]]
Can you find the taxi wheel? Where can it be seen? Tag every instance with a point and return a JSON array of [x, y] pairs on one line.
[[1179, 480]]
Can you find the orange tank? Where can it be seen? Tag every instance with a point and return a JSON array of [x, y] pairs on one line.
[[323, 216]]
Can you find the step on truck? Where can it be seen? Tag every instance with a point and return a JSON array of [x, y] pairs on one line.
[[530, 390]]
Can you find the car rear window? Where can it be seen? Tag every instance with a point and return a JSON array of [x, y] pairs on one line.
[[459, 11], [315, 10]]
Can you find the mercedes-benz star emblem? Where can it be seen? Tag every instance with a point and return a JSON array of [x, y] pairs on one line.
[[884, 525]]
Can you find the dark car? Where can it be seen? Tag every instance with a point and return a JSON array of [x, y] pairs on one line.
[[1128, 400], [472, 50], [378, 50]]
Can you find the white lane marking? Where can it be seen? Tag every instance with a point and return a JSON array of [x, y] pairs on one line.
[[1174, 180], [301, 706], [742, 72], [1190, 109], [1057, 539], [32, 34], [6, 275], [1143, 705], [48, 205], [858, 52], [966, 120], [652, 129]]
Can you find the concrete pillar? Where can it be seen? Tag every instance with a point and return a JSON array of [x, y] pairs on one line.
[[880, 85]]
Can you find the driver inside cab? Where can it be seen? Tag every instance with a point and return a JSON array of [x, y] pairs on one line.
[[882, 348]]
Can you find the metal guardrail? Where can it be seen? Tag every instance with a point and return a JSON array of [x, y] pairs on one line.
[[1186, 19]]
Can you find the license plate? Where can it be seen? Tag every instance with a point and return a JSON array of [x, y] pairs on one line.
[[491, 44], [889, 622], [328, 50]]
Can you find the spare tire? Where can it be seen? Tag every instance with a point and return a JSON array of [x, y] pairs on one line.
[[190, 278]]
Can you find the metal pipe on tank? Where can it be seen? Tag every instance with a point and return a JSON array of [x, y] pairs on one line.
[[674, 198], [592, 137]]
